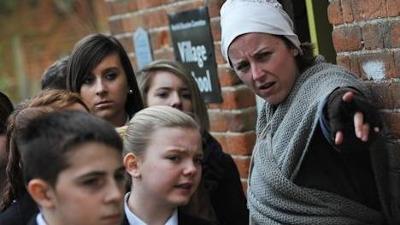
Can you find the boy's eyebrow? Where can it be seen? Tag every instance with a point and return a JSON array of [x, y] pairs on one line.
[[92, 174], [99, 173]]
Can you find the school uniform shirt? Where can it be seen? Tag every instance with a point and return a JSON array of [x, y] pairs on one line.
[[134, 220], [38, 220]]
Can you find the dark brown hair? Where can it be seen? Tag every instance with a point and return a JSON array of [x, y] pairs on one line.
[[305, 60], [6, 108], [88, 53]]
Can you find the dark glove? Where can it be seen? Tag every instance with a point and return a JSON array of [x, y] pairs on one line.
[[341, 118]]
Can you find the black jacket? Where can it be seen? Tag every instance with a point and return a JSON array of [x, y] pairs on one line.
[[19, 212], [221, 184], [183, 219]]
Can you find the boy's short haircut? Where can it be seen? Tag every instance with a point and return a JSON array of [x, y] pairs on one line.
[[55, 76], [45, 142]]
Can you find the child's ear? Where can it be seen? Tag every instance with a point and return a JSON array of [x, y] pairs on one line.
[[131, 163], [41, 192]]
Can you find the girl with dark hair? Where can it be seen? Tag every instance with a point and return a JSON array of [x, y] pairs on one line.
[[6, 108], [100, 71]]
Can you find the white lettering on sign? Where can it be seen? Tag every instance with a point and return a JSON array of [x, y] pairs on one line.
[[204, 83], [191, 53]]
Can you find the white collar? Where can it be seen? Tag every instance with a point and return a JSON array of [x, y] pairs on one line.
[[127, 120], [135, 220], [40, 220]]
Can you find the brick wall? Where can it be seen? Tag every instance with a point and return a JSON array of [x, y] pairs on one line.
[[45, 33], [233, 121], [366, 37]]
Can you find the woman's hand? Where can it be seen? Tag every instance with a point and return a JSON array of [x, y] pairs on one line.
[[361, 127], [352, 118]]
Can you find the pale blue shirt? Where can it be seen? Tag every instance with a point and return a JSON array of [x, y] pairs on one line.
[[135, 220]]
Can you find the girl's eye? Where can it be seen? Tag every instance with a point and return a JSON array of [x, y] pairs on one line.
[[88, 80], [174, 158], [111, 75], [162, 94], [198, 160], [186, 95]]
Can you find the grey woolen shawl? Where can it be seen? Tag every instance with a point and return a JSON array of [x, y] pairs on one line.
[[284, 132]]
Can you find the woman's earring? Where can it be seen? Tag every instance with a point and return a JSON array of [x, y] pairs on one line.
[[130, 91]]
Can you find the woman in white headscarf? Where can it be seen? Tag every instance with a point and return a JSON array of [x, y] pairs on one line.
[[314, 161]]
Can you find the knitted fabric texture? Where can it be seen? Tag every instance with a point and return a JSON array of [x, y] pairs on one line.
[[283, 135]]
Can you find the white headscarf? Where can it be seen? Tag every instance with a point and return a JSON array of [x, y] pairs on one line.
[[247, 16]]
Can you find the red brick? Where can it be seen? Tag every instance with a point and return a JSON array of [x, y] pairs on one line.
[[240, 98], [393, 7], [218, 55], [347, 38], [115, 26], [227, 77], [130, 24], [243, 166], [374, 35], [347, 11], [121, 7], [335, 14], [240, 143], [185, 7], [222, 121], [368, 9], [145, 4], [160, 39], [245, 120], [219, 121], [127, 43], [213, 7], [355, 67], [164, 53], [387, 94], [384, 64], [396, 57], [392, 120], [343, 61], [350, 63], [395, 34], [156, 18], [216, 30]]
